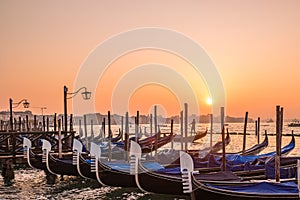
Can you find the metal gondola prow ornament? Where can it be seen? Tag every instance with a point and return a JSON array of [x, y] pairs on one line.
[[77, 149], [186, 168], [27, 146]]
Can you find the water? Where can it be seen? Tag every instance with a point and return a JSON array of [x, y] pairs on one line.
[[31, 183]]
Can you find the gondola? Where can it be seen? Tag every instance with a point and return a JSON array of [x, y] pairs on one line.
[[214, 149], [34, 160], [172, 156], [82, 161], [58, 166], [233, 190], [254, 150], [149, 144], [147, 148], [166, 180], [199, 136], [236, 162], [159, 181], [116, 174], [249, 191], [191, 138], [99, 137]]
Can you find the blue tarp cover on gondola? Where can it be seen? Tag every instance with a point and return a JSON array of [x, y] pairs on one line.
[[126, 167], [262, 188], [236, 159]]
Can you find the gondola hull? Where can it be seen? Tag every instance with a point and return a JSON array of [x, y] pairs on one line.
[[115, 178], [62, 166], [85, 168], [160, 183], [244, 191], [36, 160]]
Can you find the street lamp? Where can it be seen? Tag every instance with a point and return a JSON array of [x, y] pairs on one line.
[[25, 105], [86, 95]]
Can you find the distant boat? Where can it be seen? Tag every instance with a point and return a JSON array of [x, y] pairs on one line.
[[270, 120], [295, 123]]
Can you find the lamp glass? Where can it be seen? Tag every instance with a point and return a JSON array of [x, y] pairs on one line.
[[86, 95]]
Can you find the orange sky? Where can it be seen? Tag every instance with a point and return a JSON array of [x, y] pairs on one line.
[[255, 45]]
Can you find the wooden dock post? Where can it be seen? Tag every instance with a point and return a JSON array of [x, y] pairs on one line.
[[258, 130], [126, 146], [71, 122], [15, 124], [186, 126], [80, 129], [27, 124], [172, 141], [181, 130], [85, 132], [211, 131], [104, 129], [156, 132], [109, 136], [54, 122], [151, 129], [155, 119], [278, 142], [47, 124], [245, 131], [222, 112], [20, 124], [14, 141], [59, 140], [137, 126], [151, 125], [44, 124], [122, 126], [92, 129], [223, 150], [7, 171], [34, 123]]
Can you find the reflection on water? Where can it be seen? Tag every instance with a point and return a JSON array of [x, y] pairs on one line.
[[31, 183]]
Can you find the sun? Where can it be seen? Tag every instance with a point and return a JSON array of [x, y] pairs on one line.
[[209, 101]]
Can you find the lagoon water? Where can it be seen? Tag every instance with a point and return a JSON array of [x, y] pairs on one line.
[[31, 183]]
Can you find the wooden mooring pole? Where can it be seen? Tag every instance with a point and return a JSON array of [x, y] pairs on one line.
[[223, 150], [172, 141], [85, 132], [245, 131], [186, 126], [59, 140], [181, 130], [211, 130], [7, 171], [279, 112], [54, 121], [156, 132], [109, 136], [126, 147]]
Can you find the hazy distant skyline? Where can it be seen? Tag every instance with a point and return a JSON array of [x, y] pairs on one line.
[[255, 46]]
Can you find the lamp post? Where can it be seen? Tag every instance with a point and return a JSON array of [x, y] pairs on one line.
[[86, 95], [25, 104]]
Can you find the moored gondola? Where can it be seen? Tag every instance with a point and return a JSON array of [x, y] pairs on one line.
[[82, 161], [34, 159], [58, 166], [264, 189]]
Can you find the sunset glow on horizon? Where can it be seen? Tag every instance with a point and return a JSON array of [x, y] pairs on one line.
[[254, 45]]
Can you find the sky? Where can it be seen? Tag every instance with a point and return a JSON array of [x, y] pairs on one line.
[[254, 45]]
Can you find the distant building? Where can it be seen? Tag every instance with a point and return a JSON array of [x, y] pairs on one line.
[[4, 115]]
